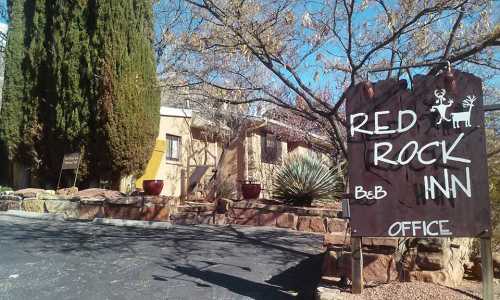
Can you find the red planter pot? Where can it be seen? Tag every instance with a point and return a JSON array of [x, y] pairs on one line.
[[152, 187], [250, 190]]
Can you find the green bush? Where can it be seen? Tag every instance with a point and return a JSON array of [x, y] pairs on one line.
[[5, 189], [303, 179]]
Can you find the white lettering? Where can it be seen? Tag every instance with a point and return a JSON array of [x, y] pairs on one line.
[[446, 153], [377, 194], [402, 152], [382, 129], [433, 182], [442, 230], [427, 162], [400, 120], [455, 182], [378, 157], [429, 232], [391, 233], [357, 128], [419, 228]]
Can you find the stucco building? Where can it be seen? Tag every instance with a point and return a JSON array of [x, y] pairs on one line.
[[189, 148]]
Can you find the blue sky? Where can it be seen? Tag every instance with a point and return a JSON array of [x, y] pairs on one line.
[[3, 7]]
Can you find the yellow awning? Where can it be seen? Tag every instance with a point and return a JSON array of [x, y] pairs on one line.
[[153, 163]]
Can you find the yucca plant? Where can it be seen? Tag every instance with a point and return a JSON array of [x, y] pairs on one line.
[[303, 179]]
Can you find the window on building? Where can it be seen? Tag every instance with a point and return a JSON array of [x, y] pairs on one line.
[[270, 149], [173, 151]]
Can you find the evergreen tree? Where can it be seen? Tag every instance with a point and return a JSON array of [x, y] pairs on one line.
[[80, 75], [68, 84], [128, 102], [20, 128]]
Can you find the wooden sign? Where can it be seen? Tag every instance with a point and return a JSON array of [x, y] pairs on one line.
[[417, 160], [71, 161]]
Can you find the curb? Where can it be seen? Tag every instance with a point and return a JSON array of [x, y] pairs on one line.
[[132, 223], [34, 215]]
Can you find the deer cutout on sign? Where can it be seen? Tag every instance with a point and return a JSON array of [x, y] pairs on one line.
[[464, 116], [440, 106]]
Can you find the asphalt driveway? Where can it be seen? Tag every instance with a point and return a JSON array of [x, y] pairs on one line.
[[42, 259]]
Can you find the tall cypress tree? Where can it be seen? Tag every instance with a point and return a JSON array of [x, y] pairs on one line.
[[80, 75], [11, 115], [67, 84], [19, 122], [128, 100]]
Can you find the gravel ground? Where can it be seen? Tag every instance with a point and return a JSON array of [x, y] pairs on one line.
[[420, 291]]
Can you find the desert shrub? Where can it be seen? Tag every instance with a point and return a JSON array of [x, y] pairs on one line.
[[303, 179]]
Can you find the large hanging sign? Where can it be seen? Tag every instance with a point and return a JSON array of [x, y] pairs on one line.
[[417, 160]]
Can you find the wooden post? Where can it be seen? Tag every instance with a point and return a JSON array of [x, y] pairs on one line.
[[357, 265], [487, 268], [183, 185]]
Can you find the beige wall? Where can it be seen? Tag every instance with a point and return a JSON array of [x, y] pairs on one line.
[[261, 171], [195, 151]]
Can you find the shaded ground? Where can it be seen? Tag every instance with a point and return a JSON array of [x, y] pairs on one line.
[[70, 260]]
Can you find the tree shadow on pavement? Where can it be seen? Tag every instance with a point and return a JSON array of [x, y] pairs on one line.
[[259, 263]]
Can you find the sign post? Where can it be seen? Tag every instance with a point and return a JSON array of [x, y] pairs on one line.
[[417, 159], [70, 162]]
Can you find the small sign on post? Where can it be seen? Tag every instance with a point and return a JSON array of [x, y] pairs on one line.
[[70, 162]]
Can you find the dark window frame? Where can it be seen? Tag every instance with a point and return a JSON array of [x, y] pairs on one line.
[[170, 138], [270, 149]]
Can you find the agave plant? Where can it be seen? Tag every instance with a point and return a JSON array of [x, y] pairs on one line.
[[302, 179]]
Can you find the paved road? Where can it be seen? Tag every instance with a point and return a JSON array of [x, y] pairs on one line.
[[72, 260]]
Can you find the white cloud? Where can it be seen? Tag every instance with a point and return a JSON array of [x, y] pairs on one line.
[[4, 27]]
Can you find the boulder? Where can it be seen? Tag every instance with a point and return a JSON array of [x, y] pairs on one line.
[[90, 212], [431, 244], [286, 220], [49, 196], [331, 240], [130, 200], [98, 193], [268, 219], [28, 193], [437, 260], [10, 197], [67, 191], [336, 225], [33, 205], [377, 268], [127, 212], [311, 224], [432, 261], [6, 205], [476, 267], [153, 212], [69, 209], [446, 277]]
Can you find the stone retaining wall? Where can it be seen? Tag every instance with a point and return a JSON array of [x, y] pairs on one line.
[[169, 209], [307, 219], [147, 208]]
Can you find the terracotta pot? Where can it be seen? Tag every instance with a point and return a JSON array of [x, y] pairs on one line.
[[152, 187], [250, 190]]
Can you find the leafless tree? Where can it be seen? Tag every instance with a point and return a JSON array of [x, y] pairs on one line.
[[272, 52]]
